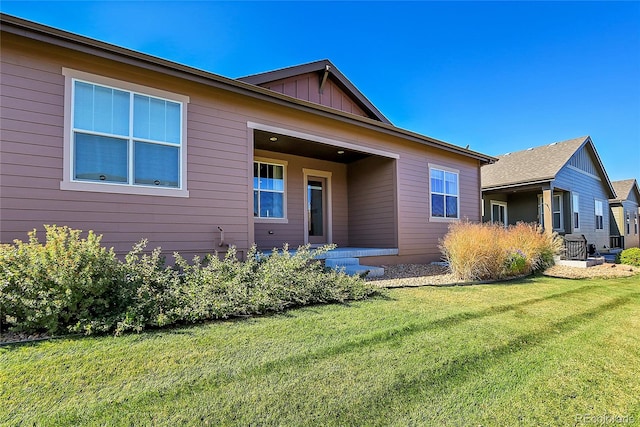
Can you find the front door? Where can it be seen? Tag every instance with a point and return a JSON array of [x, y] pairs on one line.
[[317, 210]]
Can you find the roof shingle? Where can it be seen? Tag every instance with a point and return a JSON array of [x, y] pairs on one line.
[[623, 188], [533, 165]]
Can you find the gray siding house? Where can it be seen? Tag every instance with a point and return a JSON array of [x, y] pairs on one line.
[[98, 137], [625, 214], [562, 186]]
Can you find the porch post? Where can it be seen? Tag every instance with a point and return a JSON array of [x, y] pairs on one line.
[[547, 198]]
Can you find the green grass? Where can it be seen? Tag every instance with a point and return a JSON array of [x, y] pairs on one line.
[[532, 352]]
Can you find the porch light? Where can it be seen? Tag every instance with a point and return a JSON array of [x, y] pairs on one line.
[[273, 139], [340, 151]]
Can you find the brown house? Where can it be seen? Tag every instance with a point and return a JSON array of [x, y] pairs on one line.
[[99, 137], [625, 214]]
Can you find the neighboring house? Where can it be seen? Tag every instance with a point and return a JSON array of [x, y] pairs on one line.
[[624, 214], [132, 146], [562, 186]]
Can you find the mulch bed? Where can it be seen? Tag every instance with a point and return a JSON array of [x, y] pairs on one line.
[[413, 275]]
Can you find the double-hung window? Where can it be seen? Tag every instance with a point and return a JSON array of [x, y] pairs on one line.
[[444, 189], [628, 223], [557, 212], [599, 212], [269, 190], [123, 139], [576, 211]]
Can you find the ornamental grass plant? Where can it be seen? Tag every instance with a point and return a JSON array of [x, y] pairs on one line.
[[491, 251]]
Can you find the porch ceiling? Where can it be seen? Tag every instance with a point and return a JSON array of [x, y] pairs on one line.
[[302, 147]]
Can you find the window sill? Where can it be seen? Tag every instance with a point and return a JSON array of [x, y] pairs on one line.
[[439, 219], [122, 189], [270, 220]]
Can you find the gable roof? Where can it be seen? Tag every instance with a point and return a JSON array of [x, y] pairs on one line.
[[328, 70], [624, 188], [537, 165], [57, 37]]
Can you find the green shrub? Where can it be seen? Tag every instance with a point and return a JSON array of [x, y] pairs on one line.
[[630, 256], [490, 251], [148, 290], [74, 284], [516, 263], [58, 285], [220, 288]]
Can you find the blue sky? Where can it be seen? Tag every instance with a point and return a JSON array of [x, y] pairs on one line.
[[499, 76]]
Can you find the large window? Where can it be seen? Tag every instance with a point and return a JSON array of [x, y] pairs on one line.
[[268, 190], [124, 137], [599, 211], [576, 211], [445, 202]]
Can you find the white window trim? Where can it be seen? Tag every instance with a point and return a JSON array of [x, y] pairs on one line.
[[504, 205], [306, 173], [446, 169], [540, 210], [595, 216], [68, 183], [627, 221], [575, 210], [284, 165], [560, 211]]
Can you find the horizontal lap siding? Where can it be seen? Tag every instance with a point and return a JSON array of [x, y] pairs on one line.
[[293, 231], [418, 236], [589, 189], [32, 108], [218, 177], [372, 203]]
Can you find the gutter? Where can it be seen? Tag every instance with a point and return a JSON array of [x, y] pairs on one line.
[[517, 185], [46, 34]]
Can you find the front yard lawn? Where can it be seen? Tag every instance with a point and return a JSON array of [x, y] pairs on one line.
[[536, 351]]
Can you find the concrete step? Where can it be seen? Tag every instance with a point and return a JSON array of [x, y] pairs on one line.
[[338, 262], [352, 270]]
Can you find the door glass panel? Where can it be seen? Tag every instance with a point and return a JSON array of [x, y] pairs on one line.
[[315, 208]]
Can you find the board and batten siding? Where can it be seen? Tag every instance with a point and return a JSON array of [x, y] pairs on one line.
[[219, 175], [306, 87]]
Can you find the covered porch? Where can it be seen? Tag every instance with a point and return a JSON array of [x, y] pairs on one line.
[[309, 189]]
